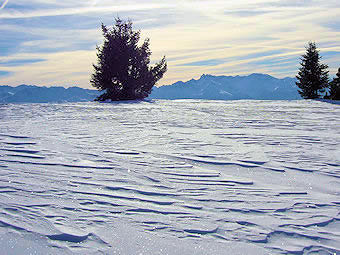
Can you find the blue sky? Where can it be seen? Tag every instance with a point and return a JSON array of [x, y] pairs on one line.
[[51, 42]]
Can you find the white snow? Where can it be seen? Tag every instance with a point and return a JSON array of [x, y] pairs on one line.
[[170, 177]]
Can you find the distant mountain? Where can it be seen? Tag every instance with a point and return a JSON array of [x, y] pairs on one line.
[[254, 86], [35, 94]]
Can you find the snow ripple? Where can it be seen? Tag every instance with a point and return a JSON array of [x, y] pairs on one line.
[[261, 176]]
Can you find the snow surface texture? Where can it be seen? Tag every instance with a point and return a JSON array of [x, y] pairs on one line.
[[170, 177]]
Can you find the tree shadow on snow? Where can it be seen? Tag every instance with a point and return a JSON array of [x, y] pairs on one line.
[[150, 101], [329, 101]]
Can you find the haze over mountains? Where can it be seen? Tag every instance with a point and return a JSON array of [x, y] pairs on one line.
[[254, 86]]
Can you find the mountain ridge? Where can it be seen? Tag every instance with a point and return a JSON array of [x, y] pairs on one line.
[[36, 94], [254, 86]]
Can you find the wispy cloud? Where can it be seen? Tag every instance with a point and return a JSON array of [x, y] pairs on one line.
[[92, 8], [19, 62], [4, 73], [216, 36], [4, 4]]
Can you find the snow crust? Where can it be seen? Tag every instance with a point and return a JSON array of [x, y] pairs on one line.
[[170, 177]]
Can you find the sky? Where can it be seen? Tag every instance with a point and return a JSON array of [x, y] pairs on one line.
[[53, 43]]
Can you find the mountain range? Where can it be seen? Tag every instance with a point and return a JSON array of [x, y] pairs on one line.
[[254, 86], [36, 94]]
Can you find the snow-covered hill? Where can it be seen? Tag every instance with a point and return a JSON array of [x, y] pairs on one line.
[[184, 177], [254, 86]]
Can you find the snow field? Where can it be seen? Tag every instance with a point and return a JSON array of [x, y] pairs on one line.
[[170, 177]]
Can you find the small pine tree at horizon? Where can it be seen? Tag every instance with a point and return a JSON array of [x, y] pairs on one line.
[[312, 76], [123, 69], [334, 87]]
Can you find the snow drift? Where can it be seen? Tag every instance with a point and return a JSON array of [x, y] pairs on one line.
[[170, 177]]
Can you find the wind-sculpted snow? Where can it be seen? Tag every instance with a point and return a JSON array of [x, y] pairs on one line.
[[170, 177]]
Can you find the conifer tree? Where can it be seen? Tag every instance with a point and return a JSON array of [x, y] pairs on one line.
[[312, 76], [123, 69], [334, 88]]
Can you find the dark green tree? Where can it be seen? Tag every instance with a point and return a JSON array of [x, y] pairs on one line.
[[312, 76], [334, 87], [123, 68]]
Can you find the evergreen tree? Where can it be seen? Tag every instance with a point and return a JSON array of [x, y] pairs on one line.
[[312, 76], [123, 70], [334, 88]]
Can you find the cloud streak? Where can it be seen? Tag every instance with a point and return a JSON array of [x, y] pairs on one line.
[[81, 10], [220, 37], [4, 4]]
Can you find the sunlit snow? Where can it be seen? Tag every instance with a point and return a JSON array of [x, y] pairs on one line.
[[170, 177]]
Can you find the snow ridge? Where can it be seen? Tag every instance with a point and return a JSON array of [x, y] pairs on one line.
[[170, 177]]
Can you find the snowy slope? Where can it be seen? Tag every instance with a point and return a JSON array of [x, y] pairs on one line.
[[170, 177], [254, 86]]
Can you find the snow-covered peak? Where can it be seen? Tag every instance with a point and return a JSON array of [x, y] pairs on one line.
[[254, 86]]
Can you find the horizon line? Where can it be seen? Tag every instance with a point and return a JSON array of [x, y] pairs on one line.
[[202, 75]]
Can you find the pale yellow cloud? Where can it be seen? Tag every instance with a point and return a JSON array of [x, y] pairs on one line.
[[62, 69]]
